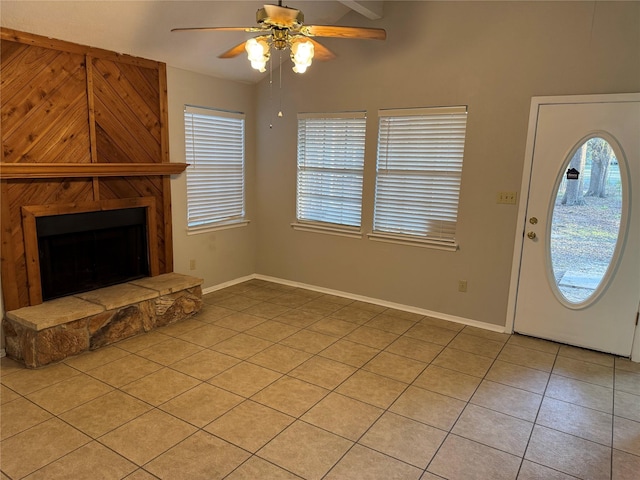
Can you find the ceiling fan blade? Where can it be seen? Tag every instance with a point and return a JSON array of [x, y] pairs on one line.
[[321, 52], [233, 52], [344, 32], [220, 29]]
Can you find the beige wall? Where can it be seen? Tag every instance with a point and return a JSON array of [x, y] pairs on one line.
[[222, 255], [491, 56]]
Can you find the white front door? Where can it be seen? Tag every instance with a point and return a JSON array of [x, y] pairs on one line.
[[579, 269]]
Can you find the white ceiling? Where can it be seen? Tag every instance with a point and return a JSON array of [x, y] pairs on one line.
[[142, 27]]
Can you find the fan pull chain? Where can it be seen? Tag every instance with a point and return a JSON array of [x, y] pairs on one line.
[[271, 91], [280, 104]]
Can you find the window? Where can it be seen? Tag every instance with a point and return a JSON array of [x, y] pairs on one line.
[[215, 178], [418, 175], [330, 166]]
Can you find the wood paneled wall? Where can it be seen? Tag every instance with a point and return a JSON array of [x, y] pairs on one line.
[[63, 103]]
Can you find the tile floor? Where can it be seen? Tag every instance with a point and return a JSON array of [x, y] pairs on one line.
[[274, 382]]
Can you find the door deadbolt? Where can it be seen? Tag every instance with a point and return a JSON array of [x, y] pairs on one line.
[[533, 220]]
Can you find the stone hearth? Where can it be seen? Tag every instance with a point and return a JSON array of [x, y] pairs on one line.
[[54, 330]]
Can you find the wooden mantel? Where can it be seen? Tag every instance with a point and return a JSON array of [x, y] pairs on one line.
[[9, 171]]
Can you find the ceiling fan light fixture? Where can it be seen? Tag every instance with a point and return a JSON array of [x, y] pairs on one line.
[[302, 55], [258, 53]]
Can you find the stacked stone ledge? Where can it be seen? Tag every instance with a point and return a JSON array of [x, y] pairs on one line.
[[57, 329]]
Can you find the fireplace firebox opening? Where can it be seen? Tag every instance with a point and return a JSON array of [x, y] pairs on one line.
[[80, 252]]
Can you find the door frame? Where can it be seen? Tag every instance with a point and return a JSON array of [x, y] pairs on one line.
[[536, 103]]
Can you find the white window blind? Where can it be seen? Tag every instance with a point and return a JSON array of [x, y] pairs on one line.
[[215, 178], [419, 168], [330, 166]]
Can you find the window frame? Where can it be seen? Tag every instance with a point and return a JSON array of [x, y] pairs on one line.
[[309, 154], [217, 125], [425, 179]]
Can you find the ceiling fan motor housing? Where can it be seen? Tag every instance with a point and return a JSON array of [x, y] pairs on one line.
[[281, 17]]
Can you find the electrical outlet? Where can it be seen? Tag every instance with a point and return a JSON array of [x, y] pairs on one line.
[[507, 198], [462, 285], [192, 264]]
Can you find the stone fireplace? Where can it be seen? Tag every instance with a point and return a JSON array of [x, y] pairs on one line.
[[89, 280]]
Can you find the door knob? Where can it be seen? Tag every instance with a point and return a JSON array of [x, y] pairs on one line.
[[531, 235]]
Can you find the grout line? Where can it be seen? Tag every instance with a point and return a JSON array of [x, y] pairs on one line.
[[467, 403], [535, 420]]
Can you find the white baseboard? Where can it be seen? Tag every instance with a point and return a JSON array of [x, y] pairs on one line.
[[362, 298], [230, 283]]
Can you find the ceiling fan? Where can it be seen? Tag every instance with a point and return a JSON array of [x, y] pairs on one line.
[[282, 28]]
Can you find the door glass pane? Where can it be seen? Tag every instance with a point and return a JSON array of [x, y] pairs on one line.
[[585, 224]]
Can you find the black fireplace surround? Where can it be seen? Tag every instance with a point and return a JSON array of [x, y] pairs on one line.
[[85, 251]]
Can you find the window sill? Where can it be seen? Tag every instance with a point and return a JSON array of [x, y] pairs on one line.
[[413, 241], [349, 232], [213, 227]]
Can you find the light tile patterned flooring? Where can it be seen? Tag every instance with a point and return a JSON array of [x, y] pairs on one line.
[[273, 382]]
